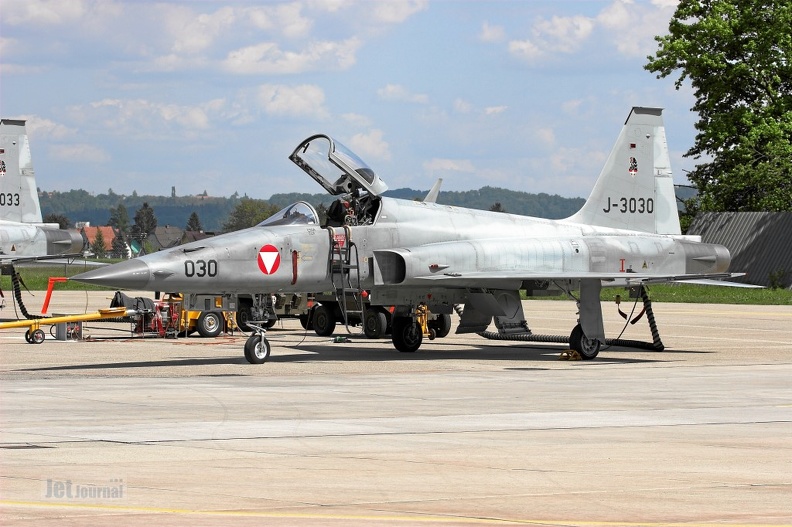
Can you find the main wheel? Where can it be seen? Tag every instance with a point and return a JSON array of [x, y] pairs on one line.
[[305, 321], [257, 349], [271, 321], [406, 334], [243, 315], [441, 325], [324, 321], [588, 348], [374, 323], [210, 324], [28, 336]]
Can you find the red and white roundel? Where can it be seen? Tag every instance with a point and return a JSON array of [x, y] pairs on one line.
[[268, 259]]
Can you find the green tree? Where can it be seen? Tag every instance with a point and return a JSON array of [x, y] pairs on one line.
[[194, 223], [119, 218], [145, 220], [248, 213], [98, 245], [62, 221], [736, 54], [119, 249], [497, 207]]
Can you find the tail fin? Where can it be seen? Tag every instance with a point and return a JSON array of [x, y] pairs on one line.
[[635, 189], [18, 194]]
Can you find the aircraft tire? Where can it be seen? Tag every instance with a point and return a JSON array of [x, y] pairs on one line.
[[28, 337], [324, 321], [37, 337], [305, 321], [271, 322], [210, 324], [375, 323], [243, 315], [406, 335], [257, 349], [588, 349], [441, 325]]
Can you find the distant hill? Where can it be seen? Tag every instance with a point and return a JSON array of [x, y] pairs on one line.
[[80, 205]]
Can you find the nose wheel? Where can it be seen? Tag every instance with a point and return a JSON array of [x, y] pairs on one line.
[[257, 347]]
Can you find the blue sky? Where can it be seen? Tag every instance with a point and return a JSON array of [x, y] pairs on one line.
[[203, 95]]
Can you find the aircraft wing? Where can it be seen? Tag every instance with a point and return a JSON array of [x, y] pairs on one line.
[[11, 260], [481, 279]]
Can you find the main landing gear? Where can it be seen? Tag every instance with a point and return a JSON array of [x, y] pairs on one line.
[[587, 348]]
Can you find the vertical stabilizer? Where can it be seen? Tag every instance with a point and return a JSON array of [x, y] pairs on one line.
[[635, 189], [18, 194]]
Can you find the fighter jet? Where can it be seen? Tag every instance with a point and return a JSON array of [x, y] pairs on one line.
[[23, 234], [424, 257]]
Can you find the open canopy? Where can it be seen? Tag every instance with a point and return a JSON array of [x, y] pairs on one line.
[[335, 167]]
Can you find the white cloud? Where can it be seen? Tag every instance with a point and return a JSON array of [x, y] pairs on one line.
[[571, 107], [268, 58], [525, 49], [564, 34], [495, 110], [556, 35], [79, 153], [491, 33], [42, 12], [287, 19], [462, 106], [142, 118], [396, 11], [39, 127], [370, 146], [302, 100], [193, 33], [632, 26], [449, 165], [546, 136], [397, 92]]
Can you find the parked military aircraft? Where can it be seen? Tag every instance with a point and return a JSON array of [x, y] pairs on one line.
[[419, 255], [23, 234]]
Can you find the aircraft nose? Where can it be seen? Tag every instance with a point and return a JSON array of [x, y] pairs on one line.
[[132, 274]]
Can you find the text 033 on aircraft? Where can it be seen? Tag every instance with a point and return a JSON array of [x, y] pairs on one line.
[[426, 257], [23, 235]]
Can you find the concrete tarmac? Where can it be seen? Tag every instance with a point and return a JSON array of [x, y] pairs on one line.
[[123, 430]]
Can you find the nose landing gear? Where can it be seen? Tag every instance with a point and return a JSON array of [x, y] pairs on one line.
[[257, 347]]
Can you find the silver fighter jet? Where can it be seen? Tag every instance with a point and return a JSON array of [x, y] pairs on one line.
[[422, 258], [23, 235]]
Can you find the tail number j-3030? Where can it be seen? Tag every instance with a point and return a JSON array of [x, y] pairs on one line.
[[630, 205]]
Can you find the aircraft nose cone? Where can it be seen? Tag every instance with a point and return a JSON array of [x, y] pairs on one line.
[[132, 274]]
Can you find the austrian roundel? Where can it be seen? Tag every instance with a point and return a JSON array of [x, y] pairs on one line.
[[268, 259]]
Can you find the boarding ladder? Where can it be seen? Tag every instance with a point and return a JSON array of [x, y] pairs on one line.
[[344, 259]]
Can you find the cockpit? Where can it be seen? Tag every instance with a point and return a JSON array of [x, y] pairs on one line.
[[300, 213]]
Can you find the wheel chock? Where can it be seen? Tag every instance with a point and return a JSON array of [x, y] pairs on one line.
[[569, 355]]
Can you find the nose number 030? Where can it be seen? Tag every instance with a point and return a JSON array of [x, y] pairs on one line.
[[200, 268]]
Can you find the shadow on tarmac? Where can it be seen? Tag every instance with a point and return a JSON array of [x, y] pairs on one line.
[[308, 352]]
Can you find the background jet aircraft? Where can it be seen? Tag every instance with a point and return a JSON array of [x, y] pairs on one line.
[[23, 235], [417, 255]]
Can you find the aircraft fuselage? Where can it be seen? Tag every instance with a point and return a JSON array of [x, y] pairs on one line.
[[449, 242]]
